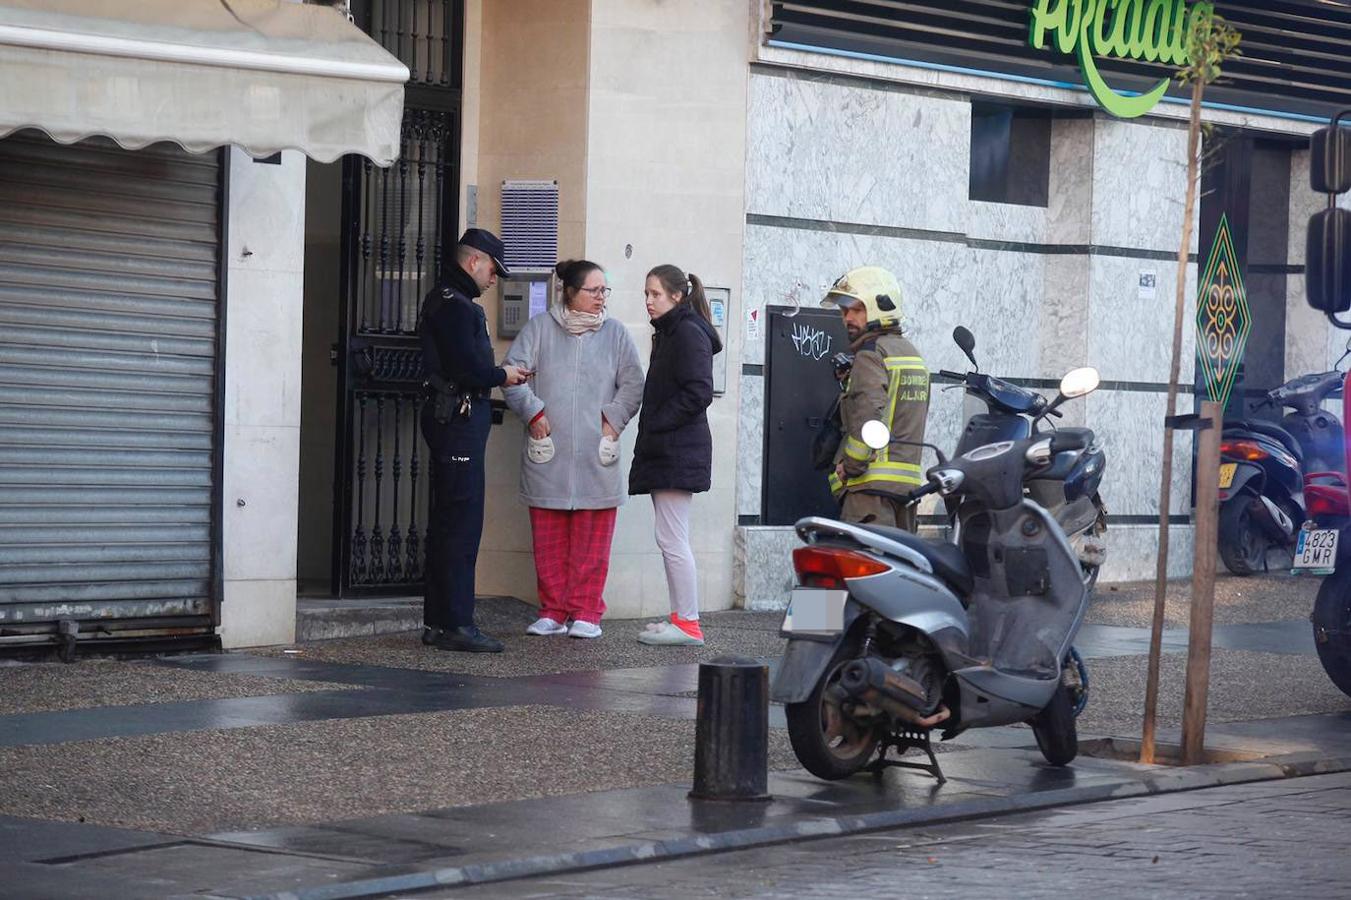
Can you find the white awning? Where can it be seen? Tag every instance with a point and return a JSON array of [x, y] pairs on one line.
[[264, 75]]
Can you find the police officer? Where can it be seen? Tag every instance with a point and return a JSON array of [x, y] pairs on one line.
[[888, 382], [458, 363]]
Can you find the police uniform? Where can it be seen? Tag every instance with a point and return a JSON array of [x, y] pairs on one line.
[[458, 360]]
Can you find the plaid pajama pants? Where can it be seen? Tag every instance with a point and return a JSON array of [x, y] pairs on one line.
[[572, 561]]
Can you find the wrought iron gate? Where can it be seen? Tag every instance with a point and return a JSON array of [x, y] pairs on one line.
[[399, 227]]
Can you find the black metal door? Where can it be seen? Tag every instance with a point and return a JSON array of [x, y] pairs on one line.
[[399, 227], [800, 387]]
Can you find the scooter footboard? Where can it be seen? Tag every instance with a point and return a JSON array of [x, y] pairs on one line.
[[990, 697], [802, 666]]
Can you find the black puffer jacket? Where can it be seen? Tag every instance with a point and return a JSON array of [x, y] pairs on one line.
[[675, 447]]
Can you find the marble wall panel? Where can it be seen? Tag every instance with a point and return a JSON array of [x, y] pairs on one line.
[[750, 445], [1006, 222], [783, 262], [997, 294], [1130, 426], [1002, 307], [1064, 312], [765, 567], [1130, 336], [1132, 553], [813, 152], [1069, 213], [1139, 184], [1308, 335]]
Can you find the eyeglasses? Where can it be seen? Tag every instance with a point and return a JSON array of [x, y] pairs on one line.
[[602, 292]]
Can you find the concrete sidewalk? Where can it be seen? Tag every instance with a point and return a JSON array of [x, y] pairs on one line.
[[377, 758]]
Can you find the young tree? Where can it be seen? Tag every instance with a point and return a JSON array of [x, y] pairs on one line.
[[1210, 43]]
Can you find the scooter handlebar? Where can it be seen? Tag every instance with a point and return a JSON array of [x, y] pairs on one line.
[[919, 494]]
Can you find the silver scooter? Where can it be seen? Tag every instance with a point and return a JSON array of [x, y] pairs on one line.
[[891, 637]]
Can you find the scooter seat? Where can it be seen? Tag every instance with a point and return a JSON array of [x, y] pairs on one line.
[[947, 559]]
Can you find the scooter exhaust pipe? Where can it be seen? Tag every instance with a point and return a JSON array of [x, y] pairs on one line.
[[873, 682], [1273, 520]]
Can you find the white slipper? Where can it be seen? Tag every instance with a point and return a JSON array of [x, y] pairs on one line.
[[587, 630], [545, 626]]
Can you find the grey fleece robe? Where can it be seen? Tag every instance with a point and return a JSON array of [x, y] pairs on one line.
[[577, 379]]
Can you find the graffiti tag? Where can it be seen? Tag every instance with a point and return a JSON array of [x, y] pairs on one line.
[[813, 343]]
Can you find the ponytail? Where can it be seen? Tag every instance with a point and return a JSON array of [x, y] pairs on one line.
[[698, 299]]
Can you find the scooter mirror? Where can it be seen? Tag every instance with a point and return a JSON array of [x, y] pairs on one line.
[[965, 340], [876, 434], [1079, 383]]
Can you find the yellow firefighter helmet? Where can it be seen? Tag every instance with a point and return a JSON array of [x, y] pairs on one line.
[[876, 288]]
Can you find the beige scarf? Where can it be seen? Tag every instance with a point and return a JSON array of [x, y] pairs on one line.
[[581, 322]]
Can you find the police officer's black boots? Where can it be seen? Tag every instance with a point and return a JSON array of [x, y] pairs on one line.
[[466, 639]]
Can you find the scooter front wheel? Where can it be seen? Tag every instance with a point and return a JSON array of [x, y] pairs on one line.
[[1332, 628], [827, 742], [1057, 735]]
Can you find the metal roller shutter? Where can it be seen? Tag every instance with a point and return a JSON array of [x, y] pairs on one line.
[[109, 310]]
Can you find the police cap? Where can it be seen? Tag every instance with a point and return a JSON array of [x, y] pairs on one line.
[[485, 241]]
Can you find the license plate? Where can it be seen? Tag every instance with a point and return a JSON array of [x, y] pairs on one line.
[[815, 610], [1227, 471], [1316, 551]]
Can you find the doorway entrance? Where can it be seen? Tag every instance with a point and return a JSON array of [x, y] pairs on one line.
[[394, 230]]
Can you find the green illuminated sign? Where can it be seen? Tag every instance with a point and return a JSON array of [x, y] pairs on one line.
[[1149, 30], [1223, 317]]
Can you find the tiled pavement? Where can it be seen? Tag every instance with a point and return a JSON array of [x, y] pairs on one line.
[[1273, 840], [354, 750]]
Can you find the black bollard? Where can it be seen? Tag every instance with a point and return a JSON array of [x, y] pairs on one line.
[[731, 738]]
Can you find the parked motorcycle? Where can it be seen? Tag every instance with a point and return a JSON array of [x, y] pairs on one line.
[[1068, 489], [891, 636], [1323, 547], [1262, 471]]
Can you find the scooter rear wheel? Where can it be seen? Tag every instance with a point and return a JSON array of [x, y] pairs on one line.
[[1057, 734], [1332, 628], [828, 743], [1243, 546]]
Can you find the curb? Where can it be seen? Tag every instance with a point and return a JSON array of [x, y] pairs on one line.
[[1154, 782]]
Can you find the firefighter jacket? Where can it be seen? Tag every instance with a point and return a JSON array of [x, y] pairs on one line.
[[890, 383]]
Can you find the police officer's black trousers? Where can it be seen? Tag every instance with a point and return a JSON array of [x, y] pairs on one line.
[[455, 525]]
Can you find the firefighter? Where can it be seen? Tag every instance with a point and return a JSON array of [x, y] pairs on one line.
[[889, 382]]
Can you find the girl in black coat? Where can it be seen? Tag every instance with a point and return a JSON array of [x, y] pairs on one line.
[[673, 458]]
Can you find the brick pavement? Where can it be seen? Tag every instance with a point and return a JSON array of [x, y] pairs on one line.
[[1265, 840]]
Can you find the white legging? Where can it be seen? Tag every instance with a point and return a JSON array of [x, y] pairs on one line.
[[672, 510]]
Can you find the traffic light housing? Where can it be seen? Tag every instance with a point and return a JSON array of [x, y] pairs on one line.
[[1328, 261], [1328, 257], [1330, 160]]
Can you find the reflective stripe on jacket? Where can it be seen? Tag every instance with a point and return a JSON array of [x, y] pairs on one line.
[[889, 382]]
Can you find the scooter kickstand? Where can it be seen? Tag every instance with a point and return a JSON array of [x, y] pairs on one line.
[[903, 741]]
